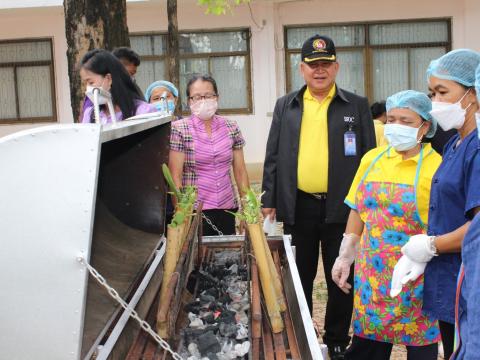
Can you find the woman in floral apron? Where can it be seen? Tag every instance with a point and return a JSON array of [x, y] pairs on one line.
[[389, 199]]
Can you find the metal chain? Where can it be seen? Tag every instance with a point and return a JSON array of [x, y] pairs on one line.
[[209, 222], [114, 294]]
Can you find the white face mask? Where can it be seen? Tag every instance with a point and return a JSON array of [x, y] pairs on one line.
[[204, 109], [449, 116], [401, 137], [104, 96]]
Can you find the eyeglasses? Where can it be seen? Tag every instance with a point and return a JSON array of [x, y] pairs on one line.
[[196, 98]]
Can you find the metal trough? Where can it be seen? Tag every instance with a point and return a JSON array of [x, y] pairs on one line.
[[299, 332]]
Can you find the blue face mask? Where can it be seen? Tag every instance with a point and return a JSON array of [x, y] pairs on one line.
[[171, 106], [401, 137], [160, 106]]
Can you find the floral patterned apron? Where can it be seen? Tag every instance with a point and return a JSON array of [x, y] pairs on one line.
[[390, 214]]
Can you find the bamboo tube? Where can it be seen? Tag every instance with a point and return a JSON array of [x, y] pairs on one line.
[[186, 225], [277, 283], [256, 307], [174, 246], [269, 294]]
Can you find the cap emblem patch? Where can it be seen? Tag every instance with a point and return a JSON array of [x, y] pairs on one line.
[[319, 44]]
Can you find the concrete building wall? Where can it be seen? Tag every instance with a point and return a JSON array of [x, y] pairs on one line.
[[266, 20]]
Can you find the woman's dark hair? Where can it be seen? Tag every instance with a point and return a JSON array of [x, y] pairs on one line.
[[207, 78], [123, 90]]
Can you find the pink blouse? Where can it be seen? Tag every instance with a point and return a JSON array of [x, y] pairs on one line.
[[208, 158]]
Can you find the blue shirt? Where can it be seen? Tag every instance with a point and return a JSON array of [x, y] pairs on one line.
[[454, 193], [469, 297]]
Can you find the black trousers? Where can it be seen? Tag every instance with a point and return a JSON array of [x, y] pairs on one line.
[[447, 331], [309, 230], [365, 349], [224, 221]]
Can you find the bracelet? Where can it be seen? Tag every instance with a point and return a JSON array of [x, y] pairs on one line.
[[433, 247]]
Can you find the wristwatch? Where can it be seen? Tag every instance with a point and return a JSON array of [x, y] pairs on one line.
[[433, 247]]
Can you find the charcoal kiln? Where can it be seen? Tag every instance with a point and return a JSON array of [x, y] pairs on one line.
[[86, 194]]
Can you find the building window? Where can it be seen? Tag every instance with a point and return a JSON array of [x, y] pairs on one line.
[[225, 55], [27, 89], [376, 59]]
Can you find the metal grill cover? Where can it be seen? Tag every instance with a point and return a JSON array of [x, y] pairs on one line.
[[68, 191]]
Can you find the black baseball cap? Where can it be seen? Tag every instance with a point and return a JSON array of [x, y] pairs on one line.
[[318, 48]]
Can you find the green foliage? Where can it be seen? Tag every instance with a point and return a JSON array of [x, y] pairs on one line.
[[185, 198], [168, 177], [220, 7], [250, 211]]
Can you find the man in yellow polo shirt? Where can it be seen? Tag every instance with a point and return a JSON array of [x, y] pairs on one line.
[[313, 149], [317, 138]]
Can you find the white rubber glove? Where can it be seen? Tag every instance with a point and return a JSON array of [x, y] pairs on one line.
[[269, 226], [406, 270], [345, 259], [419, 248]]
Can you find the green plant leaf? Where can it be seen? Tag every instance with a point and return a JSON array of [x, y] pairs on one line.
[[168, 177]]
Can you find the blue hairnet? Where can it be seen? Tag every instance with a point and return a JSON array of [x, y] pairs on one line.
[[477, 82], [162, 83], [457, 65], [416, 101]]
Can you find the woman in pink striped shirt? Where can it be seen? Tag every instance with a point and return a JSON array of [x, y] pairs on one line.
[[203, 149]]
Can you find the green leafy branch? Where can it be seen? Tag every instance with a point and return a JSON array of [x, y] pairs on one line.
[[251, 206], [220, 7], [185, 198]]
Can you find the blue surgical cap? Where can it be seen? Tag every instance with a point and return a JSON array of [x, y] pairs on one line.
[[477, 82], [416, 101], [162, 83], [457, 65]]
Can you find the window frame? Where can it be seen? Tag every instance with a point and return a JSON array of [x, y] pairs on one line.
[[15, 65], [247, 54], [367, 47]]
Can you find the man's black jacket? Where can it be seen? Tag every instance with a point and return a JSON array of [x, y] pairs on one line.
[[346, 111]]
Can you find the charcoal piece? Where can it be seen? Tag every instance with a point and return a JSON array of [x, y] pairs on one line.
[[211, 356], [192, 335], [212, 292], [193, 307], [233, 269], [193, 350], [227, 316], [206, 299], [224, 299], [208, 343], [191, 282], [196, 323], [228, 329], [219, 272], [206, 277], [208, 318]]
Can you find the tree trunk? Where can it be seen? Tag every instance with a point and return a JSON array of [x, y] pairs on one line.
[[91, 24], [172, 48]]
